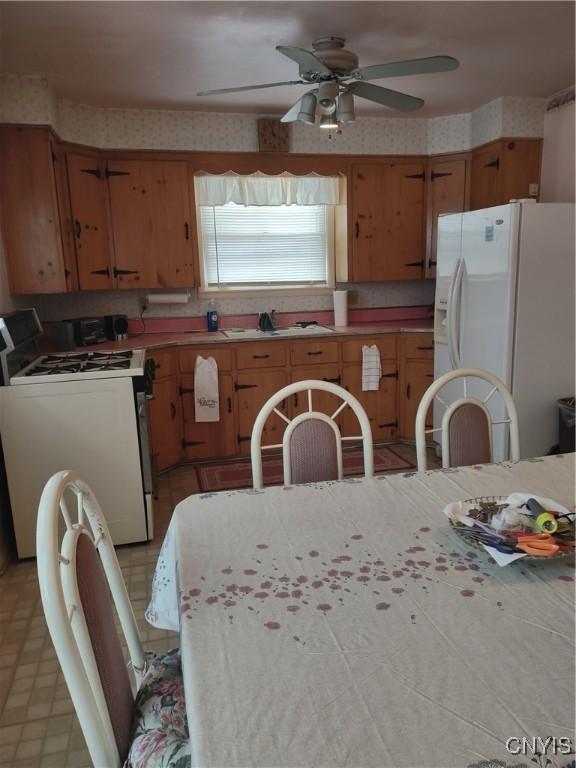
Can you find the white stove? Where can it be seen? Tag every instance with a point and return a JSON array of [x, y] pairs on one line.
[[84, 411], [72, 366]]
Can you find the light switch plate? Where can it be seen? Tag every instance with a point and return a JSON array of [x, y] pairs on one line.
[[533, 190]]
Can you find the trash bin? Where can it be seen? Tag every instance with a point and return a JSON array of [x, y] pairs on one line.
[[566, 421]]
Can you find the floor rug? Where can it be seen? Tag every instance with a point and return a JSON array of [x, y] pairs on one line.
[[238, 474]]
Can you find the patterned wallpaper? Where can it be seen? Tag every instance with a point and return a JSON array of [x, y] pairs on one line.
[[523, 116], [31, 100], [27, 100], [449, 134]]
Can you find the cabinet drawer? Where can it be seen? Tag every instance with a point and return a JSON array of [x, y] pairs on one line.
[[260, 355], [314, 352], [352, 350], [222, 356], [163, 364], [419, 345]]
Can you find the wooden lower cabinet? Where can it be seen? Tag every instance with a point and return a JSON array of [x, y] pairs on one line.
[[323, 402], [253, 388], [418, 375], [165, 424], [247, 380], [381, 405], [205, 440]]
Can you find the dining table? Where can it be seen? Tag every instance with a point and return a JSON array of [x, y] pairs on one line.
[[346, 623]]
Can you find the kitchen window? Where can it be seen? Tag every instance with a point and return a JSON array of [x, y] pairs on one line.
[[267, 232]]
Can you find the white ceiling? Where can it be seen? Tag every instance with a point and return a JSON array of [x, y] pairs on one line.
[[159, 54]]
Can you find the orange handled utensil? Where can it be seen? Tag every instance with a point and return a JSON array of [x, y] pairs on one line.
[[539, 544]]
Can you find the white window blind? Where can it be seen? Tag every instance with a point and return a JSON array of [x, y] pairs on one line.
[[266, 245]]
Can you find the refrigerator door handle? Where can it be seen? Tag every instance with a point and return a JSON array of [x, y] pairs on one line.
[[453, 314]]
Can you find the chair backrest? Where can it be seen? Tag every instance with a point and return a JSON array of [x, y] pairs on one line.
[[467, 423], [77, 571], [312, 443]]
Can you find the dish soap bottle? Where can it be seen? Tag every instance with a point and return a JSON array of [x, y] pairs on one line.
[[212, 316]]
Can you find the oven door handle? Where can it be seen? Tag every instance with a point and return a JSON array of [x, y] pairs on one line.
[[144, 441]]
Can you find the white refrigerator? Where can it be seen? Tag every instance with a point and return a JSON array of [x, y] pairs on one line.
[[505, 303]]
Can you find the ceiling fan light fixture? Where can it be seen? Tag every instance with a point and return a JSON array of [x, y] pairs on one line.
[[329, 122], [307, 112], [345, 108], [327, 94]]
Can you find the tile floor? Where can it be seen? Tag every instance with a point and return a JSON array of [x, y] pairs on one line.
[[38, 726]]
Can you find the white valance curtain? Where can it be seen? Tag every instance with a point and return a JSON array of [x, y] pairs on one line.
[[260, 189]]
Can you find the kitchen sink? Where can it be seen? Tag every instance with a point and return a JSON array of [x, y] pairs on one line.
[[292, 330]]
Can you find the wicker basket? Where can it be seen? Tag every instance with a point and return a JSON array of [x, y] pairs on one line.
[[483, 508]]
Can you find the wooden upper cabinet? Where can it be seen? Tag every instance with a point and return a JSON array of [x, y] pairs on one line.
[[368, 193], [485, 176], [30, 213], [387, 221], [405, 247], [151, 223], [521, 163], [65, 215], [503, 170], [448, 192], [89, 205]]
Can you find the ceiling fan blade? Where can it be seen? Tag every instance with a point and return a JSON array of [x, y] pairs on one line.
[[307, 62], [410, 67], [385, 96], [249, 87], [292, 115]]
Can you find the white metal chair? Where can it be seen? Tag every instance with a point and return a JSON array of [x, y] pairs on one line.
[[76, 576], [467, 424], [312, 443]]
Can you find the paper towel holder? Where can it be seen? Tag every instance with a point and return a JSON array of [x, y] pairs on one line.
[[182, 297]]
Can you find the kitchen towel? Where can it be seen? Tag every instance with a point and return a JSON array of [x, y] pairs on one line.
[[206, 397], [371, 368]]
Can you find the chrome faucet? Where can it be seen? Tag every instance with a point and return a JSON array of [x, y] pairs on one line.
[[267, 321]]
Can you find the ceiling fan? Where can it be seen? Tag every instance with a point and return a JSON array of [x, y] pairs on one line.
[[336, 77]]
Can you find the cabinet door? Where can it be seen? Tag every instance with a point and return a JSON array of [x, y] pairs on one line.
[[253, 388], [387, 221], [404, 243], [206, 440], [321, 401], [485, 176], [381, 405], [367, 221], [88, 199], [150, 212], [446, 194], [418, 375], [65, 216], [30, 215], [165, 424]]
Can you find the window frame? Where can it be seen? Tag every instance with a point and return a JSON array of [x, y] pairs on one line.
[[253, 289]]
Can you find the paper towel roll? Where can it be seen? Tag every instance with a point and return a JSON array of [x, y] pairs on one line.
[[341, 308], [167, 298]]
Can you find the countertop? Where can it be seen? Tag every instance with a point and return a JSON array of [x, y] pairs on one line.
[[188, 338]]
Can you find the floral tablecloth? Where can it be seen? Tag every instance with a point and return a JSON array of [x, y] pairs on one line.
[[345, 624]]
